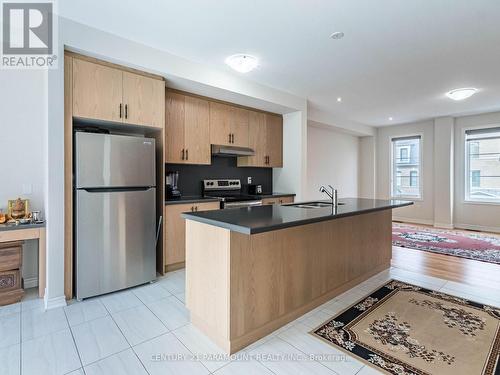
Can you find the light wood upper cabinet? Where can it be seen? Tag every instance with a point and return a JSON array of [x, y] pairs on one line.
[[97, 91], [174, 127], [108, 93], [266, 138], [220, 130], [143, 100], [175, 229], [187, 129], [197, 131], [239, 126], [228, 125], [274, 140]]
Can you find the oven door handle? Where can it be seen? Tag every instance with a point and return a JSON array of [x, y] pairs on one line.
[[242, 204]]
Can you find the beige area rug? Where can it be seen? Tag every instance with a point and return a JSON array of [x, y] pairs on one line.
[[405, 329]]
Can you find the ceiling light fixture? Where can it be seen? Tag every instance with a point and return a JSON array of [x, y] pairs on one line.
[[339, 99], [461, 94], [337, 35], [390, 119], [242, 63]]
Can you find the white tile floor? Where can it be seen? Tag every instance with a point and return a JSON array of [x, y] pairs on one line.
[[133, 332]]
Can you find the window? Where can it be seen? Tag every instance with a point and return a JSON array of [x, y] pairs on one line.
[[403, 155], [482, 172], [413, 178], [406, 182]]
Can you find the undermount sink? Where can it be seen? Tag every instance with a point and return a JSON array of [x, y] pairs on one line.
[[314, 205]]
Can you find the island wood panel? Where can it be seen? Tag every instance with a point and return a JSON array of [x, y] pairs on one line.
[[144, 100], [274, 277]]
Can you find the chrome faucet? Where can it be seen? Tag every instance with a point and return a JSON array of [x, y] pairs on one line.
[[333, 195]]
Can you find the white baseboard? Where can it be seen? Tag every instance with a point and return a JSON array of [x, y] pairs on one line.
[[413, 221], [478, 227], [30, 282], [52, 303], [444, 226]]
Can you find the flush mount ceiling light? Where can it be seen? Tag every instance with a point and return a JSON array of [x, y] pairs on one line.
[[337, 35], [461, 94], [242, 63], [339, 99], [390, 119]]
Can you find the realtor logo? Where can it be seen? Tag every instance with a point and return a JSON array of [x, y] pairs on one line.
[[27, 35]]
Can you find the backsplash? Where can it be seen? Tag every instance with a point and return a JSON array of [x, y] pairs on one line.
[[190, 176]]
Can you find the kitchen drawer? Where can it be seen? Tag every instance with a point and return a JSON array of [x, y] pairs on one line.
[[9, 280], [11, 255], [277, 200]]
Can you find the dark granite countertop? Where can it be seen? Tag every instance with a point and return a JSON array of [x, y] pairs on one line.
[[198, 198], [190, 199], [252, 220], [6, 227]]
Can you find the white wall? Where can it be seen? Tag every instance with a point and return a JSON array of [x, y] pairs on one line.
[[472, 215], [367, 167], [22, 129], [423, 210], [443, 167], [332, 158]]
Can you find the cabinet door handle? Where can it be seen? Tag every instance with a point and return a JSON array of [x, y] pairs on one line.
[[120, 110], [196, 208], [229, 137], [182, 154], [192, 208], [233, 137], [126, 110], [187, 155]]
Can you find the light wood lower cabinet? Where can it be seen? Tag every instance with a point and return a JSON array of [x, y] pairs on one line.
[[175, 231], [278, 200]]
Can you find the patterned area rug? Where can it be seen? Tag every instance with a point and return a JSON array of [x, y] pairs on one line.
[[465, 244], [408, 330]]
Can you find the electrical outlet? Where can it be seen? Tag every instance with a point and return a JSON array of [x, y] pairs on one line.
[[249, 180]]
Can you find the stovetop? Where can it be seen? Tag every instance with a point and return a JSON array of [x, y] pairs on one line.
[[227, 190]]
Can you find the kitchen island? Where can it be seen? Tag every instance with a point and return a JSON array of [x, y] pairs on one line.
[[250, 271]]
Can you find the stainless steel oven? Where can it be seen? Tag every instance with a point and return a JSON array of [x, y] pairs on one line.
[[228, 191]]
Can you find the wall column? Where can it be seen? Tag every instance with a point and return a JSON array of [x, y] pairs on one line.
[[443, 171]]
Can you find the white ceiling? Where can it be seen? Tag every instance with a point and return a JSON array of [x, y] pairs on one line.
[[397, 59]]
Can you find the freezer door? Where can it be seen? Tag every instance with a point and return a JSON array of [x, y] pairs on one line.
[[115, 240], [105, 160]]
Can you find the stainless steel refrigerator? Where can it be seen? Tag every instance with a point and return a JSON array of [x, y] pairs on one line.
[[115, 212]]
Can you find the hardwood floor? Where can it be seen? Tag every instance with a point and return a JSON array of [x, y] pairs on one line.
[[447, 267]]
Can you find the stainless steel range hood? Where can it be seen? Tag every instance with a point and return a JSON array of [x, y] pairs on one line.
[[220, 150]]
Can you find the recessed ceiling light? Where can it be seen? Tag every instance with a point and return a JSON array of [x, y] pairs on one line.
[[339, 99], [461, 94], [337, 35], [242, 63], [390, 119]]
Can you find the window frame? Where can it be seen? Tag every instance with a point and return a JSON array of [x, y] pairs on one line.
[[420, 178], [466, 183]]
